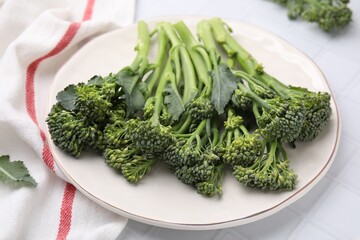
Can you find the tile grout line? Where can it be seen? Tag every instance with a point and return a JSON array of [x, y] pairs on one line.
[[310, 215]]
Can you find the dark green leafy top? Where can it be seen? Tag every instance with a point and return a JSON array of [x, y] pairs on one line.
[[15, 172]]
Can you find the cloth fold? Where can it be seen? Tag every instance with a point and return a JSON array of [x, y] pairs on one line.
[[37, 38]]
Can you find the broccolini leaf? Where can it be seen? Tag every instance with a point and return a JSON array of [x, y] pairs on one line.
[[173, 101], [96, 80], [67, 97], [15, 172], [128, 80], [136, 99], [224, 84]]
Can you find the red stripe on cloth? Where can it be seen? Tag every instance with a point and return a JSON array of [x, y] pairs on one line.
[[66, 212], [69, 191], [30, 86], [89, 10], [30, 73]]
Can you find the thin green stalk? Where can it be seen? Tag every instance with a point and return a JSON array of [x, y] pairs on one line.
[[223, 37], [159, 62], [142, 47], [253, 96], [197, 54], [204, 33], [185, 125], [187, 68], [159, 96], [250, 65]]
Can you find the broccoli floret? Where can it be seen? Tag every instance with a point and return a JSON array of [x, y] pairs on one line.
[[195, 174], [194, 160], [90, 102], [116, 115], [150, 135], [137, 168], [124, 155], [240, 146], [71, 132], [201, 108], [115, 134], [187, 150], [116, 157], [240, 100], [329, 14], [149, 108], [271, 171], [93, 101], [318, 111], [129, 161], [213, 185], [316, 105], [277, 118]]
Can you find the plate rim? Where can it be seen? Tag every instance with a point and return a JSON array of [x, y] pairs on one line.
[[296, 195]]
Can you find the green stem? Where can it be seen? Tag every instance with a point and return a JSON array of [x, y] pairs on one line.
[[142, 47], [279, 87], [200, 128], [229, 138], [205, 34], [190, 82], [204, 140], [255, 109], [200, 61], [222, 137], [250, 79], [188, 71], [237, 133], [215, 135], [253, 96], [196, 134], [244, 58], [271, 156], [185, 125], [159, 62], [159, 97], [283, 151], [223, 37], [244, 130]]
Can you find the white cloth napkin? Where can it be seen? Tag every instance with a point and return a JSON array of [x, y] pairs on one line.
[[36, 38]]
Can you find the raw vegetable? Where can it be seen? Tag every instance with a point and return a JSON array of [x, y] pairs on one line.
[[328, 14], [192, 109], [15, 172]]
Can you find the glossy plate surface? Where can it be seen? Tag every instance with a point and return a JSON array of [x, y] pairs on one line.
[[162, 200]]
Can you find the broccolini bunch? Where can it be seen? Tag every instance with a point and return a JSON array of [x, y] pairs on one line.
[[328, 14], [192, 109]]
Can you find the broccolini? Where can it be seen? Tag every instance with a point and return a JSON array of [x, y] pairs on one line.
[[192, 109], [328, 14]]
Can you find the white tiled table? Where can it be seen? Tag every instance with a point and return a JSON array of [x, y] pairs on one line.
[[331, 210]]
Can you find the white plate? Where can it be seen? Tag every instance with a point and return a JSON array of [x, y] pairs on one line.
[[162, 200]]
